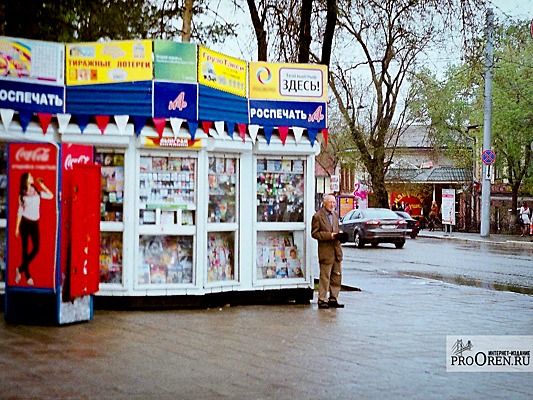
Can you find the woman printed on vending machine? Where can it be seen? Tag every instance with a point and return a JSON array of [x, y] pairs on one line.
[[27, 224]]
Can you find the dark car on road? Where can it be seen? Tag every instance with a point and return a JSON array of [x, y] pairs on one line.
[[413, 226], [374, 226]]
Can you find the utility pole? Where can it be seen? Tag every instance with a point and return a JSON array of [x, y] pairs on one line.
[[487, 127]]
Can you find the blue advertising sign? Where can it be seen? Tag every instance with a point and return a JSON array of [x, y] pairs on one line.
[[22, 96], [288, 113], [176, 100]]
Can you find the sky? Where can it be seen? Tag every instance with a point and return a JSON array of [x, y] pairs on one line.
[[240, 48]]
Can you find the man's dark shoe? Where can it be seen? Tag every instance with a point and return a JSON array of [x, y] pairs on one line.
[[323, 305], [335, 304]]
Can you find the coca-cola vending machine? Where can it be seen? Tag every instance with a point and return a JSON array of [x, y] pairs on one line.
[[53, 233]]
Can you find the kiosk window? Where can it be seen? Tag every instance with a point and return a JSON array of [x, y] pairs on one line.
[[280, 190], [111, 208]]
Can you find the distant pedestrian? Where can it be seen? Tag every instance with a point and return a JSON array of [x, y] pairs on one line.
[[524, 215], [325, 229], [433, 215]]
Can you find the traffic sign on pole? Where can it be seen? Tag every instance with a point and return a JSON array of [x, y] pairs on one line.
[[488, 157]]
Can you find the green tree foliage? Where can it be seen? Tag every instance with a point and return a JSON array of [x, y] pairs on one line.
[[456, 103], [512, 119], [383, 42], [91, 20]]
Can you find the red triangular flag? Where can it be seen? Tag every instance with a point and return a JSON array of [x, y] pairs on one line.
[[325, 134], [283, 133], [44, 119], [102, 121], [242, 131], [159, 124], [206, 125]]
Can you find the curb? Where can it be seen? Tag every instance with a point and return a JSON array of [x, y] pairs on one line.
[[480, 240]]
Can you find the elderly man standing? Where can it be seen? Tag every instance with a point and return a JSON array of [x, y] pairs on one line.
[[325, 229]]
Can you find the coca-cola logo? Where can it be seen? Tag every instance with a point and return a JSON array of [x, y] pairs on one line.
[[71, 160], [39, 154]]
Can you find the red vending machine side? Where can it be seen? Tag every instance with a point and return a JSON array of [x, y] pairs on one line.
[[85, 230]]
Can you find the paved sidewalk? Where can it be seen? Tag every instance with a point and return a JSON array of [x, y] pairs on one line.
[[476, 237], [388, 343]]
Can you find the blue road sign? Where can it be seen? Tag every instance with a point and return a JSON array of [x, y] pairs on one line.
[[488, 157]]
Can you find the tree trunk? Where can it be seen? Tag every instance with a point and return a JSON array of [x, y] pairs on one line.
[[379, 189], [304, 42], [259, 29], [187, 21], [331, 22]]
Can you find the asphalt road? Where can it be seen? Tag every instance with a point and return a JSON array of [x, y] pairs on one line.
[[490, 265]]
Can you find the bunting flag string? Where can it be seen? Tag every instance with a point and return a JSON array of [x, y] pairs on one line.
[[219, 127], [138, 124], [44, 120], [252, 130], [312, 132], [83, 121], [206, 126], [325, 134], [63, 121], [7, 117], [176, 123], [268, 132], [101, 122], [193, 127], [283, 133], [25, 118], [159, 124], [242, 131], [122, 122], [298, 132], [231, 128]]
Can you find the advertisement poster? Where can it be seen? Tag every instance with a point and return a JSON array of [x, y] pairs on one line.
[[296, 82], [222, 72], [32, 214], [175, 62], [181, 143], [448, 206], [31, 61], [71, 154], [409, 202], [288, 113], [109, 62], [176, 100]]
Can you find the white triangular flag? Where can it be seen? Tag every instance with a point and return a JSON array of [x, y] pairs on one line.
[[7, 117], [219, 127], [63, 120], [176, 123], [252, 130], [298, 132], [122, 122]]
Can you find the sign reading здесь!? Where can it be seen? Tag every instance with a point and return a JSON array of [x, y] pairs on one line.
[[293, 82]]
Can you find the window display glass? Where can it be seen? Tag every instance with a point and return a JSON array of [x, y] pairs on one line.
[[111, 208], [167, 193], [222, 189], [280, 190], [279, 255], [165, 259], [220, 259], [110, 257]]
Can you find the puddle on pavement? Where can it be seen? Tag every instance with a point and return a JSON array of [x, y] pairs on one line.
[[463, 281]]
